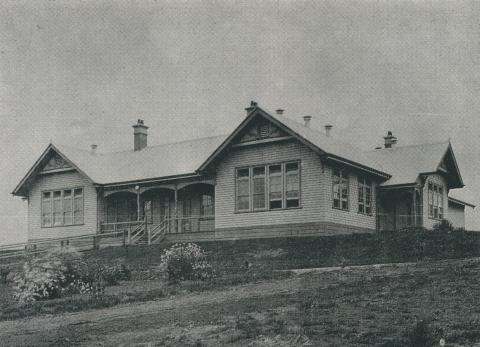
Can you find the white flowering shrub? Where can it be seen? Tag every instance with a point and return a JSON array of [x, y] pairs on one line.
[[46, 277], [185, 262], [64, 271]]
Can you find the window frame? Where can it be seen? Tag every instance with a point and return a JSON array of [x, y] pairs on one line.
[[266, 167], [63, 211], [435, 199], [344, 176], [363, 184]]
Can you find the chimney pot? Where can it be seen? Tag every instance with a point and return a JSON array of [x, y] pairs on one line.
[[140, 134], [93, 148], [307, 120], [328, 129], [280, 111]]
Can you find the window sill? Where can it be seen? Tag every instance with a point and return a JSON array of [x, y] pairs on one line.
[[341, 209], [365, 214], [272, 210]]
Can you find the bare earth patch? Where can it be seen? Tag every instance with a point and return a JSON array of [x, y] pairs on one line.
[[357, 306]]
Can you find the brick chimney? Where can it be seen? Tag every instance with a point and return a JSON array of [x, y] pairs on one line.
[[390, 140], [307, 120], [139, 135], [252, 106]]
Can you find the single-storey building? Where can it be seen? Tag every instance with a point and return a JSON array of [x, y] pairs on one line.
[[271, 176]]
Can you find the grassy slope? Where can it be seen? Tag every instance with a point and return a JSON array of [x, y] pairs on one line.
[[361, 307], [347, 307]]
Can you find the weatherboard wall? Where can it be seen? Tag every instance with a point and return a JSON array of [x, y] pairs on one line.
[[456, 214], [58, 181], [316, 193]]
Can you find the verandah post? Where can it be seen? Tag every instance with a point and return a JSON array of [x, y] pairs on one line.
[[148, 231], [177, 224]]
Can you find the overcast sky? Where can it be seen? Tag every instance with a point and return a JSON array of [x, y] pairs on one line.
[[82, 72]]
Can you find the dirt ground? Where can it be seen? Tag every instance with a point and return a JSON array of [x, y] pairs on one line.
[[354, 306]]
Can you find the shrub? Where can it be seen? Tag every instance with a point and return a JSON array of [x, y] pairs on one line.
[[64, 271], [444, 225], [4, 274], [45, 277], [185, 262]]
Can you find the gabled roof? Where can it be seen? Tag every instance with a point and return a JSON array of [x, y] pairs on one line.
[[162, 161], [327, 146], [406, 163], [398, 166]]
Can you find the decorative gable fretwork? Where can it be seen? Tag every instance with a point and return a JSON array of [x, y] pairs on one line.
[[56, 162], [261, 129]]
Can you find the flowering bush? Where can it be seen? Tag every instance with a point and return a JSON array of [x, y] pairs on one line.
[[45, 277], [185, 262], [64, 271]]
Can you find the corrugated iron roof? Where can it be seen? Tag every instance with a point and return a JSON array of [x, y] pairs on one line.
[[405, 163], [170, 159], [331, 145]]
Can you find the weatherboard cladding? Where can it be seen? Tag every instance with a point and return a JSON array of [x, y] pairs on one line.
[[59, 181], [316, 189]]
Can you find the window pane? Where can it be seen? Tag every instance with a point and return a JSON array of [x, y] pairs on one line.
[[78, 206], [275, 186], [242, 203], [259, 188], [360, 208], [291, 167], [292, 182], [57, 208], [293, 203], [275, 204], [67, 207], [259, 171], [243, 189], [46, 210], [243, 173], [292, 185], [275, 169], [207, 208]]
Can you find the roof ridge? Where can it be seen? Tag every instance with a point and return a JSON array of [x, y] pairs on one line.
[[169, 143], [408, 146]]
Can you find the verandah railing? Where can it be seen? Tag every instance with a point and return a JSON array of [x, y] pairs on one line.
[[396, 222]]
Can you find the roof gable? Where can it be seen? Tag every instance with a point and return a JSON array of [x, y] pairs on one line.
[[259, 129], [330, 149], [50, 161]]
